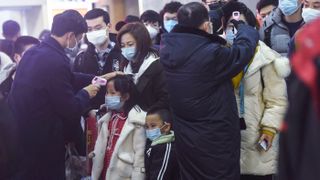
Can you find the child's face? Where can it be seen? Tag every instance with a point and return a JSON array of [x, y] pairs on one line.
[[111, 91], [154, 121]]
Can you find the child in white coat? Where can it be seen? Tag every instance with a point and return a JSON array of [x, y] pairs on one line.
[[119, 149]]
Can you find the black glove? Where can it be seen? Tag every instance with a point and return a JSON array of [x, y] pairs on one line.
[[237, 23]]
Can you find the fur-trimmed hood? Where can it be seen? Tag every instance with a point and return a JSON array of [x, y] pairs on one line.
[[266, 55]]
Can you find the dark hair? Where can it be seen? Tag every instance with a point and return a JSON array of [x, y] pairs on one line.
[[171, 7], [263, 3], [95, 13], [150, 16], [246, 12], [68, 21], [22, 42], [44, 34], [192, 15], [128, 19], [124, 84], [143, 42], [165, 115], [10, 28]]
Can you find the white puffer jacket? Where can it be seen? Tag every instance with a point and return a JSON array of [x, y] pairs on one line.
[[265, 103], [127, 161]]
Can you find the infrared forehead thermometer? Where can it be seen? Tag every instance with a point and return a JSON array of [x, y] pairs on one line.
[[99, 81], [236, 15]]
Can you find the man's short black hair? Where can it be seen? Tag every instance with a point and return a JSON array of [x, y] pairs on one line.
[[192, 15], [164, 114], [150, 16], [95, 13], [171, 7], [263, 3], [10, 28], [68, 21], [22, 42]]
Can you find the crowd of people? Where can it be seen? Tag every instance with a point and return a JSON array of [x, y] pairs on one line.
[[199, 91]]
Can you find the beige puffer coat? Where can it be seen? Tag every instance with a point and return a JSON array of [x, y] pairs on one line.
[[265, 103]]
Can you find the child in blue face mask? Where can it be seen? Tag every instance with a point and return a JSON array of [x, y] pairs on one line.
[[160, 159], [119, 149]]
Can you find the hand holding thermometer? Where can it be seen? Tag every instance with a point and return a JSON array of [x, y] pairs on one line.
[[99, 81]]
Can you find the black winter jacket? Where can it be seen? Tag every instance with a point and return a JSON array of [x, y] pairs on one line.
[[199, 70], [161, 162]]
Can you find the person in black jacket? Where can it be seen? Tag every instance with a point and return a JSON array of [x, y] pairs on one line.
[[143, 62], [103, 54], [160, 156], [199, 68], [47, 100]]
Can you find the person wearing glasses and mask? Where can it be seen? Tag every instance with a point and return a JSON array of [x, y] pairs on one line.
[[102, 55]]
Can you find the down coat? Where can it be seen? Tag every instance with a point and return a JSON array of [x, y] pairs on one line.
[[265, 102]]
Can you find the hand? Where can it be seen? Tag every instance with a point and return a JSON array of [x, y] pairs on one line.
[[268, 138], [236, 23], [92, 90], [112, 74]]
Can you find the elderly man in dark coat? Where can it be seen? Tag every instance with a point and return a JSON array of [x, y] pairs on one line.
[[199, 69], [47, 100]]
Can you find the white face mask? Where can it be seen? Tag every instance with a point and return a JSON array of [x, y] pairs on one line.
[[99, 37], [72, 49], [152, 31], [309, 14]]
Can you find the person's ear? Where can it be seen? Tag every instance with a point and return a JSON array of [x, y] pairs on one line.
[[166, 128], [125, 97], [17, 58]]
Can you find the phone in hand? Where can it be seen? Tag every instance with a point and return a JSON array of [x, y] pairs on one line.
[[236, 15], [99, 81], [263, 145]]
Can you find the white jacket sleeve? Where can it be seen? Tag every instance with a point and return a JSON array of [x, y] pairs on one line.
[[274, 97], [139, 142]]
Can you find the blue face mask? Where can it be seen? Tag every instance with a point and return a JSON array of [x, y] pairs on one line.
[[129, 53], [230, 36], [169, 25], [153, 134], [114, 102], [288, 7]]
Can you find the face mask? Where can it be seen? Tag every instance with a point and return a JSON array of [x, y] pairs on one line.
[[97, 38], [129, 53], [71, 50], [230, 36], [169, 25], [153, 134], [288, 7], [113, 102], [152, 31], [210, 28], [309, 14]]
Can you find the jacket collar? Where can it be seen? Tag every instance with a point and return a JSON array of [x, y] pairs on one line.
[[54, 44], [212, 37]]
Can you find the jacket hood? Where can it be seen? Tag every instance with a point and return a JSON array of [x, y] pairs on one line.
[[266, 55], [180, 44], [6, 67]]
